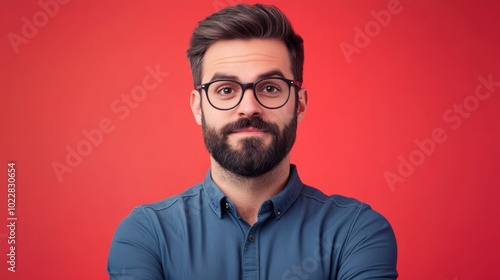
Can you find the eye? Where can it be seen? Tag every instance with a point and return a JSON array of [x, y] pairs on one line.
[[271, 89], [225, 90]]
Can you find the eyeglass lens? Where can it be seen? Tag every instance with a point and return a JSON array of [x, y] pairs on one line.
[[271, 93]]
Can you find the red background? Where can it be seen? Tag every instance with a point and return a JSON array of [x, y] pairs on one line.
[[362, 116]]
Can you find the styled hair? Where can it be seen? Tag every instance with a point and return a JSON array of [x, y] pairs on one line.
[[245, 22]]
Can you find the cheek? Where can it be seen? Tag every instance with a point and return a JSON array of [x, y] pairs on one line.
[[213, 117], [288, 111]]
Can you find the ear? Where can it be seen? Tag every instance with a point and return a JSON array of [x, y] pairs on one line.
[[302, 106], [195, 102]]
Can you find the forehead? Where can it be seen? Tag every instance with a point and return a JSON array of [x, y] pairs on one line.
[[246, 59]]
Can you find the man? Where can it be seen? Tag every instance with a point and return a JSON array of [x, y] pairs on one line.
[[252, 217]]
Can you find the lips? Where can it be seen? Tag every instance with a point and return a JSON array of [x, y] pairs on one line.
[[249, 129]]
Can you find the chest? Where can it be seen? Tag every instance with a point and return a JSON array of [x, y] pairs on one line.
[[228, 249]]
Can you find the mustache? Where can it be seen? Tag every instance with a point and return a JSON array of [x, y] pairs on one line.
[[255, 122]]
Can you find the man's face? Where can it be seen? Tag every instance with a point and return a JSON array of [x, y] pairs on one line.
[[249, 140]]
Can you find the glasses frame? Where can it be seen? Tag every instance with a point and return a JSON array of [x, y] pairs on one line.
[[245, 86]]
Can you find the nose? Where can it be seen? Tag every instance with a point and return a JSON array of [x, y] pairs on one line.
[[249, 106]]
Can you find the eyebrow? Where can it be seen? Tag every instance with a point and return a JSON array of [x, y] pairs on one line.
[[222, 76]]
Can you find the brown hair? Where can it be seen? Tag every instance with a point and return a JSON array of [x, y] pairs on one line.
[[245, 22]]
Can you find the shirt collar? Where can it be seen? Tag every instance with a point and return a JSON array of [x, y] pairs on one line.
[[283, 200], [214, 194], [280, 203]]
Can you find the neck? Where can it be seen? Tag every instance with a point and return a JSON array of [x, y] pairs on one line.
[[248, 193]]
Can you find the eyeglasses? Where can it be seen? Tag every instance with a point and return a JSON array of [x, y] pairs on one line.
[[271, 93]]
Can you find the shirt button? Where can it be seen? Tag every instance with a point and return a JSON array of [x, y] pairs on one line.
[[278, 212], [251, 237], [227, 205]]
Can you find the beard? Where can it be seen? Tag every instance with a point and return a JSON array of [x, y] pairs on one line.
[[253, 158]]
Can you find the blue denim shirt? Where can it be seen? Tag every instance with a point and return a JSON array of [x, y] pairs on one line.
[[301, 233]]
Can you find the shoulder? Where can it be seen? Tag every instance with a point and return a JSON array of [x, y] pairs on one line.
[[165, 204], [335, 199], [171, 206], [342, 208], [363, 232]]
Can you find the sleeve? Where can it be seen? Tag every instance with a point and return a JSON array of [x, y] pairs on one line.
[[370, 251], [135, 251]]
